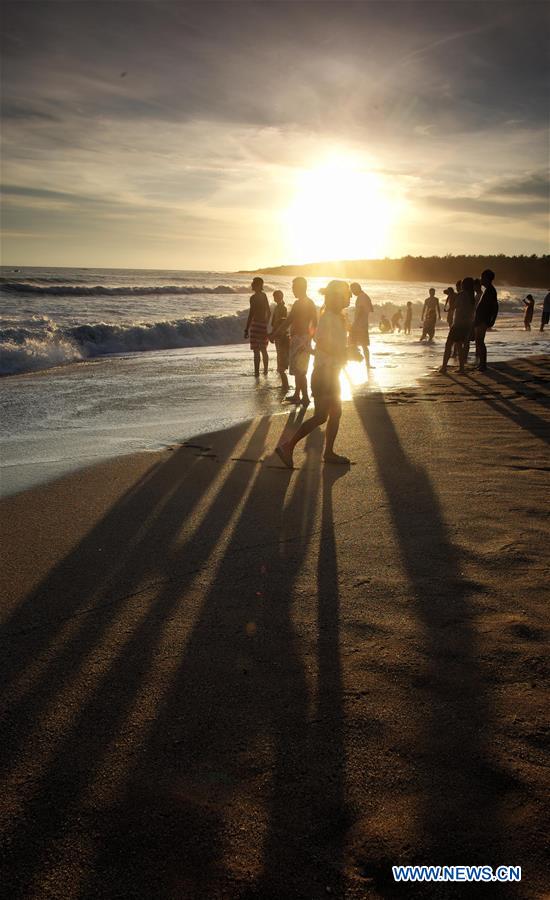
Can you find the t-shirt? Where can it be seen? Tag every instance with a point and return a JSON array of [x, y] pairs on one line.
[[487, 308], [464, 309], [330, 340]]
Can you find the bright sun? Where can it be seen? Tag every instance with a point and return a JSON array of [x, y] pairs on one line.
[[340, 210]]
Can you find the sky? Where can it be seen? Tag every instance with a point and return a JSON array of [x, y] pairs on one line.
[[228, 135]]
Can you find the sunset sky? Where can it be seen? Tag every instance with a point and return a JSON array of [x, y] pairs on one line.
[[225, 135]]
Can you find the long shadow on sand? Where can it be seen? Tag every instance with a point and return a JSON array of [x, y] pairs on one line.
[[222, 738], [484, 387], [76, 672], [450, 718], [233, 753]]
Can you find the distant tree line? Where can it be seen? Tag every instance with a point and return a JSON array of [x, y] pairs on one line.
[[523, 271]]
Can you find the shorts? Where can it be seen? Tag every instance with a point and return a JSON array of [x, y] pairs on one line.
[[459, 333], [300, 346], [325, 384], [258, 336], [282, 346]]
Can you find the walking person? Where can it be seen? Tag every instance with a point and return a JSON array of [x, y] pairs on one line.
[[485, 316], [360, 328], [459, 332], [529, 311], [256, 325], [329, 358], [301, 323], [431, 311]]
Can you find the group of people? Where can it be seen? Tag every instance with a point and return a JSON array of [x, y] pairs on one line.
[[529, 302], [471, 309]]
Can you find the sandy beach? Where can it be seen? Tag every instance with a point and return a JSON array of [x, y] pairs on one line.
[[224, 679]]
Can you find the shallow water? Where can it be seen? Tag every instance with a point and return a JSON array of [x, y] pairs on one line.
[[58, 420]]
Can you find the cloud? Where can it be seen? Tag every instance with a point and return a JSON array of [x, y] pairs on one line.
[[221, 104]]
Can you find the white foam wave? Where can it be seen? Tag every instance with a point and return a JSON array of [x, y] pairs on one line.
[[25, 349]]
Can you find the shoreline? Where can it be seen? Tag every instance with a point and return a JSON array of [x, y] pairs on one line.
[[301, 678]]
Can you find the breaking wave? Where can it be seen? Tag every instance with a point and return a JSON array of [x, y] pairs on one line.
[[79, 290], [24, 349]]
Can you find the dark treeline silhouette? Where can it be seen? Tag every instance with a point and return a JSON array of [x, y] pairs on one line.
[[522, 271]]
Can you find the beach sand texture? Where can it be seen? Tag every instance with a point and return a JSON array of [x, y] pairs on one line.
[[225, 679]]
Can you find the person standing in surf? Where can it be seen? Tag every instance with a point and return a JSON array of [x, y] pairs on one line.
[[330, 356], [282, 343], [301, 323], [430, 313], [529, 311], [485, 317], [360, 329], [256, 325]]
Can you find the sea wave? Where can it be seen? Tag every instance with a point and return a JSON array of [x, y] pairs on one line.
[[79, 290], [26, 349]]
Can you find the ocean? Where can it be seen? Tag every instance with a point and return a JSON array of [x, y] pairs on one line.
[[102, 362]]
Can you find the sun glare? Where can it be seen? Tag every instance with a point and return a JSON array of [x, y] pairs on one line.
[[340, 210]]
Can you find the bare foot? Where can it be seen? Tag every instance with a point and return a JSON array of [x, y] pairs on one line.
[[442, 371], [284, 452], [336, 458], [293, 399]]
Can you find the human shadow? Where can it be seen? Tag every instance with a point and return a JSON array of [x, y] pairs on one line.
[[87, 676], [448, 723], [483, 390], [233, 743]]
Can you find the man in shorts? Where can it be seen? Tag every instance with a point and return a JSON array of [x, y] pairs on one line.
[[301, 323]]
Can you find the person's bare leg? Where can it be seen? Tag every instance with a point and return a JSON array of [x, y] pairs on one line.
[[481, 348], [333, 424], [366, 354], [284, 381], [265, 359], [285, 450], [301, 380], [256, 363], [462, 356], [446, 356]]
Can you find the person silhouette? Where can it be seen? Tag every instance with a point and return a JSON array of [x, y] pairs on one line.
[[256, 325], [360, 328], [282, 343], [329, 357], [430, 313], [545, 316], [485, 316], [529, 311], [459, 332], [408, 317], [301, 323]]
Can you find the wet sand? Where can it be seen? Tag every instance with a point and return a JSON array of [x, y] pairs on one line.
[[225, 679]]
